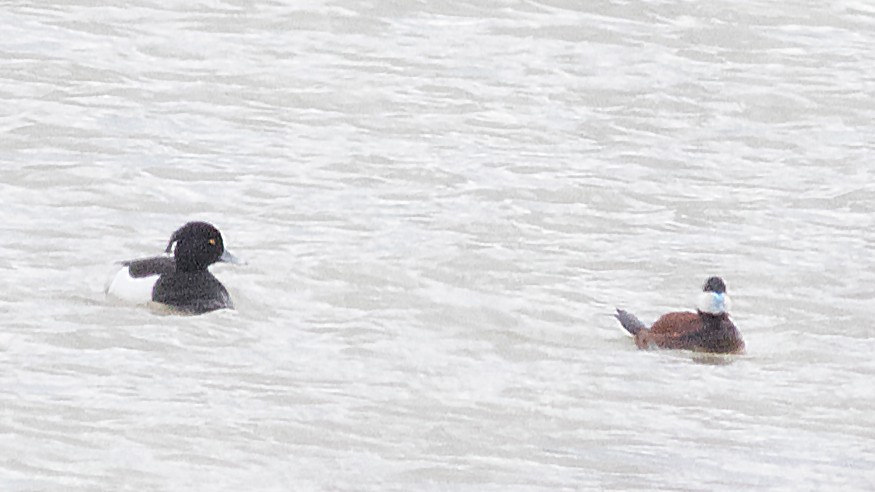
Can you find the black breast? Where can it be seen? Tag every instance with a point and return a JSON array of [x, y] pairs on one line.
[[718, 335], [724, 340], [192, 292]]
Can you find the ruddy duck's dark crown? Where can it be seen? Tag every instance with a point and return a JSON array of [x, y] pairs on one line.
[[714, 284]]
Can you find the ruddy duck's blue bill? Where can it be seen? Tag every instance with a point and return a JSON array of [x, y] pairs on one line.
[[713, 303], [227, 257]]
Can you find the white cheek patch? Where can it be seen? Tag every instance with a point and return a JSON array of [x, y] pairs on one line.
[[713, 303]]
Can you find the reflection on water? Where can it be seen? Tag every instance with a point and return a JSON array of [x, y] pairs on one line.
[[714, 359]]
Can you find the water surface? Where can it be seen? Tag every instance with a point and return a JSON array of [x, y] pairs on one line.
[[441, 204]]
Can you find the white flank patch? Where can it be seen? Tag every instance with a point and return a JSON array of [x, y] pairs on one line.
[[130, 289], [713, 303]]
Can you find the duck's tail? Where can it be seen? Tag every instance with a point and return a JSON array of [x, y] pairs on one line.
[[632, 324]]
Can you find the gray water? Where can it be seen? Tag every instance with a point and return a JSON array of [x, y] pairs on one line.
[[441, 204]]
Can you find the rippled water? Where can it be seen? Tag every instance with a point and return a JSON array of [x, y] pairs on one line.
[[441, 203]]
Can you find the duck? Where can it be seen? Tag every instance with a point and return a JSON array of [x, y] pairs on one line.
[[182, 281], [709, 329]]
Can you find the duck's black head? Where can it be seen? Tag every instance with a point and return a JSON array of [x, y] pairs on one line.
[[714, 284], [198, 245]]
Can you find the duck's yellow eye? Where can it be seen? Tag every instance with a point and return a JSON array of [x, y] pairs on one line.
[[212, 242]]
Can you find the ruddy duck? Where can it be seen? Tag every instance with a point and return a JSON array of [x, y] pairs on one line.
[[709, 329]]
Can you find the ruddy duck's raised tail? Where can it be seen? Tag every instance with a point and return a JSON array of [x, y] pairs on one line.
[[709, 329]]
